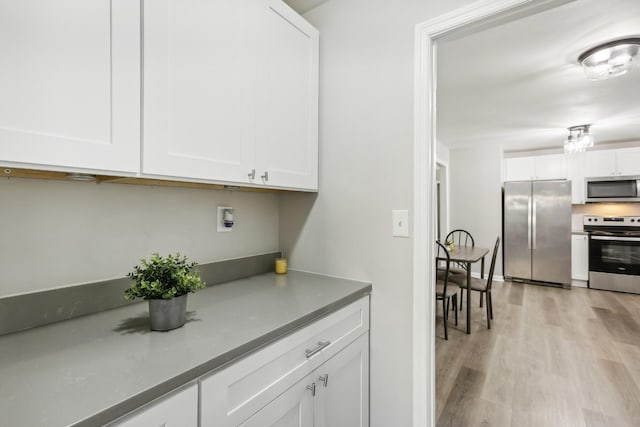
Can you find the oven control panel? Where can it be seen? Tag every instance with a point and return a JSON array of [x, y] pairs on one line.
[[611, 221]]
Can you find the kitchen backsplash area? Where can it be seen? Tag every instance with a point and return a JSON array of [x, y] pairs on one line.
[[603, 209], [57, 233]]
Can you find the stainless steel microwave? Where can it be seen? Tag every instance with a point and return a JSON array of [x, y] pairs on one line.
[[613, 189]]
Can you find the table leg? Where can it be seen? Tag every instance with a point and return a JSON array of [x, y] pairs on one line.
[[469, 297], [482, 268]]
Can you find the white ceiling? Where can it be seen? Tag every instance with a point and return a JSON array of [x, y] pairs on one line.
[[301, 6], [519, 84]]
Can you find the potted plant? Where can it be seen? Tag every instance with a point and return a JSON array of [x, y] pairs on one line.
[[165, 283]]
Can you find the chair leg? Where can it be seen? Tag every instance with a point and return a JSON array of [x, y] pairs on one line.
[[481, 294], [444, 311], [488, 312], [455, 306], [490, 301], [461, 297]]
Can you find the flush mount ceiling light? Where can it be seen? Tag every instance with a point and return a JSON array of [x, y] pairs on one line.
[[611, 59], [579, 139]]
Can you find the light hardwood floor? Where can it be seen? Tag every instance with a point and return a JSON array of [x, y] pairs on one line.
[[552, 357]]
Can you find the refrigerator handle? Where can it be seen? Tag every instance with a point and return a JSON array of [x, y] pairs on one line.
[[529, 224], [534, 228]]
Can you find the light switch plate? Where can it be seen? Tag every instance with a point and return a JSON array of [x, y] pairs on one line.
[[400, 223]]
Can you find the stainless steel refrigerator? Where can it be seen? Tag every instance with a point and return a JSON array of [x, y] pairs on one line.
[[537, 231]]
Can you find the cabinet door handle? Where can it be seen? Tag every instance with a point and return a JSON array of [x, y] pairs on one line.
[[324, 379], [320, 346], [312, 387], [265, 176], [252, 174]]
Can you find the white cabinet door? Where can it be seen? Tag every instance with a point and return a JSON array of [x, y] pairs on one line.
[[628, 161], [198, 89], [230, 93], [600, 163], [575, 173], [287, 114], [70, 84], [293, 408], [519, 169], [551, 166], [580, 257], [343, 387], [179, 409]]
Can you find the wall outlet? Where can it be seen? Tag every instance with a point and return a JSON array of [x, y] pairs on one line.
[[225, 219]]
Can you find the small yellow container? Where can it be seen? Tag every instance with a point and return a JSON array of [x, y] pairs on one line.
[[281, 266]]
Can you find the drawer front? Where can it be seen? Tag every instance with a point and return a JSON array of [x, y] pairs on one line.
[[231, 395]]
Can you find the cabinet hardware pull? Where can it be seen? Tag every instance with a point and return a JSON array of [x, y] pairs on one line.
[[312, 387], [252, 174], [324, 379], [265, 176], [320, 346]]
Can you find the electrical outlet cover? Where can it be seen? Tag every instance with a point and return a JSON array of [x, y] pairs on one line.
[[220, 218]]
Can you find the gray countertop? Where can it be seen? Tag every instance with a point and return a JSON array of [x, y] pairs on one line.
[[92, 369]]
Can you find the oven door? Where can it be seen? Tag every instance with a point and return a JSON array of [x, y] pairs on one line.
[[614, 254]]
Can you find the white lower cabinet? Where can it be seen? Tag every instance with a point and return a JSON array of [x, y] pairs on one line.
[[335, 394], [177, 409], [580, 257], [317, 376], [342, 386]]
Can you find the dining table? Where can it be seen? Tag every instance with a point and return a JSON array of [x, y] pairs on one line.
[[468, 255]]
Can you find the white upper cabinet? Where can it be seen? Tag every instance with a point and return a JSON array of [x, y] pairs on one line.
[[621, 162], [287, 118], [600, 163], [519, 169], [628, 161], [575, 173], [230, 92], [70, 84], [198, 89], [551, 166]]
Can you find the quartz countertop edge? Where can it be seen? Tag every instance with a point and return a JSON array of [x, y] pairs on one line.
[[92, 370]]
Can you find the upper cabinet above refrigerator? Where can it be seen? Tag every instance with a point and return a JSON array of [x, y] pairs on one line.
[[230, 93], [70, 85], [550, 166]]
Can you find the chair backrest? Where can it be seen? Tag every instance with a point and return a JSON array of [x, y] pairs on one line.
[[461, 237], [493, 263], [442, 254]]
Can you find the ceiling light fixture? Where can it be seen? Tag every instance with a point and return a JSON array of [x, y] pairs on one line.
[[579, 139], [611, 59]]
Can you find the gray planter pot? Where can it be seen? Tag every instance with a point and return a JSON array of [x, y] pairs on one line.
[[167, 314]]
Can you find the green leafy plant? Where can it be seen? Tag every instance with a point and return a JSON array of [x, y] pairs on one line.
[[163, 278]]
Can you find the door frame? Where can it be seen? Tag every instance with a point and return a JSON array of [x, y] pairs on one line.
[[425, 55]]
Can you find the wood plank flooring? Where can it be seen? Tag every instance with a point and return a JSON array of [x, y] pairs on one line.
[[553, 357]]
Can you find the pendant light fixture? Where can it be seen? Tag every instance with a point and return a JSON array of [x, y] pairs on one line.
[[579, 139], [611, 59]]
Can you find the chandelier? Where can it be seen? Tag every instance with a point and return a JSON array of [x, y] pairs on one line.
[[579, 139]]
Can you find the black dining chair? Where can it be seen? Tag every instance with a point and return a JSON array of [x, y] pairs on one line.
[[458, 272], [484, 286], [444, 291]]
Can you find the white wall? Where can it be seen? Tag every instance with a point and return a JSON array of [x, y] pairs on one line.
[[476, 196], [58, 233], [366, 170]]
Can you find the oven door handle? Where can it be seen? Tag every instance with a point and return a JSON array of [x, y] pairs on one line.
[[617, 238]]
